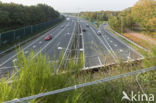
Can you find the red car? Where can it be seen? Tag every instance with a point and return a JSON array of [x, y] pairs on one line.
[[48, 37]]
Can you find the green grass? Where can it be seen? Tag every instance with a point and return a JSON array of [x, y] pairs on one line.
[[35, 76], [38, 75]]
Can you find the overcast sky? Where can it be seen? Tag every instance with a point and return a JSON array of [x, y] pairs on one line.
[[80, 5]]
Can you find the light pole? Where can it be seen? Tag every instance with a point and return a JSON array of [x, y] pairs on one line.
[[97, 15], [122, 23]]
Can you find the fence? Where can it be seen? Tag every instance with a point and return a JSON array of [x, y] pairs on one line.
[[18, 34], [27, 99]]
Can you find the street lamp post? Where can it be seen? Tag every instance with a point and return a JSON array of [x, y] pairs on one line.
[[122, 23]]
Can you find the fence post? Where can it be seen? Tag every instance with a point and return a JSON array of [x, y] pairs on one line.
[[24, 31], [14, 36], [0, 36], [31, 29], [0, 39]]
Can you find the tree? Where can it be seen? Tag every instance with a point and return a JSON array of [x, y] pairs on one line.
[[15, 15]]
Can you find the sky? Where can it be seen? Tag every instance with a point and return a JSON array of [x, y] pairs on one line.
[[80, 5]]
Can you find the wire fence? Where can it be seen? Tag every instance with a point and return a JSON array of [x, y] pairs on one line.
[[23, 100], [18, 34]]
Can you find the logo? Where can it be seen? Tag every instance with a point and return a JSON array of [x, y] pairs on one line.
[[137, 97]]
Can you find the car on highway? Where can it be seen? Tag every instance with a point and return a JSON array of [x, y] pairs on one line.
[[84, 30], [49, 37], [68, 19], [87, 25], [99, 32]]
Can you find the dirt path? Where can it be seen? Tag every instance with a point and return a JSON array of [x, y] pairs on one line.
[[135, 36]]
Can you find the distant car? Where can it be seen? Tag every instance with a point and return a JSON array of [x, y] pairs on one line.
[[84, 30], [99, 32], [68, 19], [49, 37], [87, 25]]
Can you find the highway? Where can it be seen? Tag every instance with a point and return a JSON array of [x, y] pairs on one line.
[[96, 53], [119, 48], [98, 50]]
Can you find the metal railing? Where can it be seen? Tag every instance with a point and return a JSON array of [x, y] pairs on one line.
[[23, 100]]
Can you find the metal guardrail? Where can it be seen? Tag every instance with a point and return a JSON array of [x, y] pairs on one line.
[[22, 100]]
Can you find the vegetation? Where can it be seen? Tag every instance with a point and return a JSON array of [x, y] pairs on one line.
[[16, 15], [142, 16], [99, 16], [38, 75]]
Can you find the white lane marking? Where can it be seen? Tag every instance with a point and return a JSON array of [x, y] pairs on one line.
[[128, 57], [115, 45], [111, 41], [103, 44], [59, 48], [100, 61], [121, 50], [113, 52], [67, 47], [130, 41], [14, 60], [83, 46], [26, 47], [34, 46], [50, 42], [81, 50], [112, 35], [68, 33], [2, 68], [26, 52]]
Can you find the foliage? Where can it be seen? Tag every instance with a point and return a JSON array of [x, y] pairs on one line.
[[101, 15], [143, 14], [16, 15], [35, 76]]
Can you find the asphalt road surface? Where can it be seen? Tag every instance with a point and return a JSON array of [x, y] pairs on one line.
[[98, 50]]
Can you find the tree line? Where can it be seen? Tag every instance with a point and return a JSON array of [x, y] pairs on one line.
[[142, 16], [16, 15], [99, 15]]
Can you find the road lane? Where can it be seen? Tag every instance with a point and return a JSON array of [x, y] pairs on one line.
[[121, 49], [63, 40], [27, 47], [35, 46], [95, 52]]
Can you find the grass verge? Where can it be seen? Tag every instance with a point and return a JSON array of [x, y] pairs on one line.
[[38, 75]]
